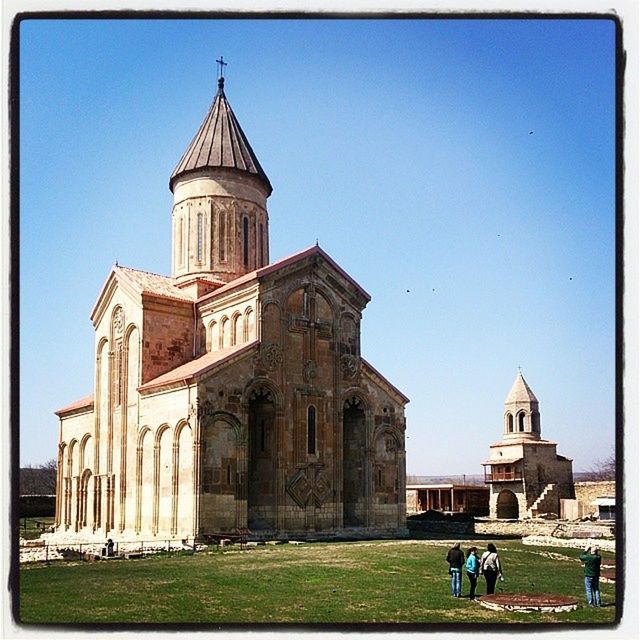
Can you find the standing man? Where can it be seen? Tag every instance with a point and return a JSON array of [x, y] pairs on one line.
[[455, 558], [591, 560]]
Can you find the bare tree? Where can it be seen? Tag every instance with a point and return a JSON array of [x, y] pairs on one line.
[[603, 469], [39, 480]]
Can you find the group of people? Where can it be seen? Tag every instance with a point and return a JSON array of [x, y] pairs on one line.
[[487, 565], [490, 567]]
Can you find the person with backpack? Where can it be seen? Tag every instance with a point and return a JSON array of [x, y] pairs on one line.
[[491, 567]]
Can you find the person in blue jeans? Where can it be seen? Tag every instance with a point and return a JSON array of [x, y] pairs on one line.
[[473, 569], [455, 558], [591, 560]]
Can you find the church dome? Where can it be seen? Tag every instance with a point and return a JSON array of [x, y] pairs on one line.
[[220, 144], [520, 391]]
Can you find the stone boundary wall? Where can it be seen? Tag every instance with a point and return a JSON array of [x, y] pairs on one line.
[[587, 492], [554, 528], [571, 543]]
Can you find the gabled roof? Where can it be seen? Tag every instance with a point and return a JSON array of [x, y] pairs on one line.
[[220, 144], [139, 282], [369, 369], [280, 264], [153, 283], [189, 371], [520, 391], [82, 404]]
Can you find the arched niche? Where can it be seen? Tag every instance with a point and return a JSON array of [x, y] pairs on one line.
[[507, 505]]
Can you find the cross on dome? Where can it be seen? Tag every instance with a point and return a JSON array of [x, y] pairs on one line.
[[221, 65]]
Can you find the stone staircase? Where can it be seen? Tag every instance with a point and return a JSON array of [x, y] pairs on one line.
[[547, 502]]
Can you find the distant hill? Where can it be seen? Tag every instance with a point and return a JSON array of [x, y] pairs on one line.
[[478, 478], [469, 478]]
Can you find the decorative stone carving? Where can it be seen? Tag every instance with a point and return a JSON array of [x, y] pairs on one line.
[[271, 356], [350, 366], [202, 409], [261, 393], [118, 321], [353, 403], [299, 488], [310, 371], [307, 485]]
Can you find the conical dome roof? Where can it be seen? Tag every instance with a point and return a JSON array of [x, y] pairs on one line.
[[520, 391], [220, 143]]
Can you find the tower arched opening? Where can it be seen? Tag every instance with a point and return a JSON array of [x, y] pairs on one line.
[[507, 505]]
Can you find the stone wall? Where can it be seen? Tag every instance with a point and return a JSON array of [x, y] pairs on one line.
[[412, 501], [545, 528], [587, 492]]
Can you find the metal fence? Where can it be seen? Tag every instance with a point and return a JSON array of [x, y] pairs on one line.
[[43, 551]]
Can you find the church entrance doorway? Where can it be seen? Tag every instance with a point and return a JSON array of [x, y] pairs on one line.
[[353, 463], [261, 465], [507, 505]]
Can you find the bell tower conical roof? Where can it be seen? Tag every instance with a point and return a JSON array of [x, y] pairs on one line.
[[521, 412], [220, 223], [520, 391], [220, 143]]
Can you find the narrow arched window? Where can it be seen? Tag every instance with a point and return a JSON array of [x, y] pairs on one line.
[[510, 423], [521, 421], [311, 430], [179, 243], [222, 235], [245, 241], [200, 238], [261, 245]]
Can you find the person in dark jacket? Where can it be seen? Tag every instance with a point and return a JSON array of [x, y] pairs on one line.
[[591, 560], [455, 558]]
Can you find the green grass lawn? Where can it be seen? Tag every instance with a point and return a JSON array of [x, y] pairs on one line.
[[361, 582]]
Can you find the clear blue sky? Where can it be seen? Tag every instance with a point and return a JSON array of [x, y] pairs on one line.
[[403, 146]]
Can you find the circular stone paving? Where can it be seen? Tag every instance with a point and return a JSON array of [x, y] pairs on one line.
[[608, 575], [526, 602]]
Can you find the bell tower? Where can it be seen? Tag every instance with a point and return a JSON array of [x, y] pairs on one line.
[[220, 224], [521, 413]]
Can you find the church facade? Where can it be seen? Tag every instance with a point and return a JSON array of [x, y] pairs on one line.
[[231, 394], [527, 476]]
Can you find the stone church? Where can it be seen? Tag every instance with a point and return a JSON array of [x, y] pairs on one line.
[[231, 394], [526, 475]]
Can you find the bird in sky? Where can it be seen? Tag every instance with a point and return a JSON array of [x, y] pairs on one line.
[[530, 133]]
